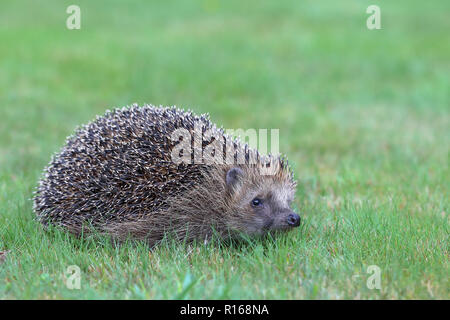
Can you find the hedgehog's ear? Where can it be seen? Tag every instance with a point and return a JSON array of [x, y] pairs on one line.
[[234, 176]]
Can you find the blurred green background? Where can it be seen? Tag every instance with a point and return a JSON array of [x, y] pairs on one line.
[[363, 114]]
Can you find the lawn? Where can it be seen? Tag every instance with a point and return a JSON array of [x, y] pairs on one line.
[[363, 117]]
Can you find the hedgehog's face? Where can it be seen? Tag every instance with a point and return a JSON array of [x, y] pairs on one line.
[[261, 203]]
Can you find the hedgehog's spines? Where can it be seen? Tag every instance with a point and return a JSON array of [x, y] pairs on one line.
[[118, 168]]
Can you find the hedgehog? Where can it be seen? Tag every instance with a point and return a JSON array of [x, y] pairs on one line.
[[145, 172]]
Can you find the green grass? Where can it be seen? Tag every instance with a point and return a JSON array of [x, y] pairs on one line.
[[363, 117]]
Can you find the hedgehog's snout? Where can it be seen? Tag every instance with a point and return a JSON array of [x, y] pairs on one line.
[[288, 219], [293, 220]]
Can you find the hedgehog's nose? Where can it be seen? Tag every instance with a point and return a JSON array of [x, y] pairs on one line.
[[293, 220]]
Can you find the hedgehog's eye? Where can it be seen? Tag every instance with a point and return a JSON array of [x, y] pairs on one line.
[[256, 202]]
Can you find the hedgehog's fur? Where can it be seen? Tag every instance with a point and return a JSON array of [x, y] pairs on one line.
[[116, 175]]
